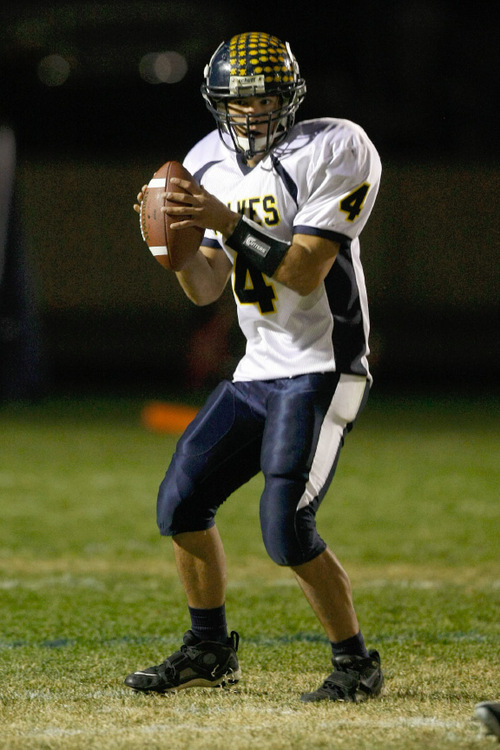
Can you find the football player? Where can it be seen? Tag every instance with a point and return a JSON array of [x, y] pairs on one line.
[[282, 205]]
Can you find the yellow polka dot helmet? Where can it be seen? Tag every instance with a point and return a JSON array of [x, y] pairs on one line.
[[253, 64]]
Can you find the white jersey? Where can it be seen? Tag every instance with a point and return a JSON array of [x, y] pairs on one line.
[[322, 180]]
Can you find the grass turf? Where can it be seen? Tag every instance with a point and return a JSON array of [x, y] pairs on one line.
[[89, 591]]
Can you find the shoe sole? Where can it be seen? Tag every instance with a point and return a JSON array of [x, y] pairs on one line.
[[359, 697], [224, 681]]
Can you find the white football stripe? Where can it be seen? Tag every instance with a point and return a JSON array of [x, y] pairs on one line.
[[159, 250], [157, 182], [342, 410]]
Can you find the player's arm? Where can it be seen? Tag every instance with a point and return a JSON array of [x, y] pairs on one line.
[[205, 276], [301, 265], [306, 263]]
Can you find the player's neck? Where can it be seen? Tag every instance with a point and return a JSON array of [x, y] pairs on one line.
[[255, 160]]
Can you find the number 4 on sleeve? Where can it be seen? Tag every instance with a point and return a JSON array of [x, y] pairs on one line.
[[353, 203]]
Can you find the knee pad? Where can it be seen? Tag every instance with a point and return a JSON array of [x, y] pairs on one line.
[[177, 509], [289, 535]]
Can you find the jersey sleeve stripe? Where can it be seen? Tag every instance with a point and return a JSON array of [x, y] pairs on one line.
[[207, 242], [327, 234]]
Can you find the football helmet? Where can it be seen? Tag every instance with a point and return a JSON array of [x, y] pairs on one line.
[[253, 64]]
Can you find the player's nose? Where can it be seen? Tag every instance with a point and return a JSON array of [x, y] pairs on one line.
[[254, 107]]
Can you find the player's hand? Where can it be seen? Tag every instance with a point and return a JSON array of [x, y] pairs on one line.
[[199, 208], [140, 197]]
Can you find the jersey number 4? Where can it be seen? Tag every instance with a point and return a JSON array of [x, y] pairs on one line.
[[251, 288], [353, 203]]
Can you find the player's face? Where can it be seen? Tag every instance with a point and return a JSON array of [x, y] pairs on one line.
[[255, 111]]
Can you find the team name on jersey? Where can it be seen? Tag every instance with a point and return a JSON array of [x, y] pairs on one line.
[[262, 210]]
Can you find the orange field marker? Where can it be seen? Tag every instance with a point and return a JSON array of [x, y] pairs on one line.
[[161, 416]]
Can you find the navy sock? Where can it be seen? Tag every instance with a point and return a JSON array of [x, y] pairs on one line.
[[352, 646], [209, 624]]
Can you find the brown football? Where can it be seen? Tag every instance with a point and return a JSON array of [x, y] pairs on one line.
[[171, 247]]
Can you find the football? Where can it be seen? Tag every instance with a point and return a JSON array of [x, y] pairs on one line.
[[172, 248]]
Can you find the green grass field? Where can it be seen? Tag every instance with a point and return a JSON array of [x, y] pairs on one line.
[[89, 590]]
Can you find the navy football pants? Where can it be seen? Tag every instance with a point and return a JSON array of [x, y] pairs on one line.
[[291, 429]]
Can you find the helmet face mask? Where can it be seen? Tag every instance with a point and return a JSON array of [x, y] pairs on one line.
[[254, 134], [257, 66]]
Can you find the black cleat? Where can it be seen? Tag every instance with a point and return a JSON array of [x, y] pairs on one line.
[[197, 664], [489, 714], [353, 680]]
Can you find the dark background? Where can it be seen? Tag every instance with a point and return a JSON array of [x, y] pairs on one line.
[[82, 302]]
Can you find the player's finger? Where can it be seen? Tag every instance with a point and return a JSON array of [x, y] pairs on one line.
[[179, 197], [184, 184], [184, 224], [180, 210]]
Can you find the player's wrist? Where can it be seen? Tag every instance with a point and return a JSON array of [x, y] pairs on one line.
[[231, 224], [260, 247]]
